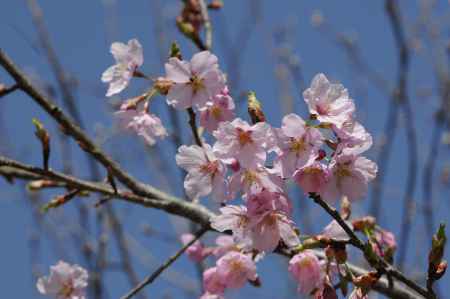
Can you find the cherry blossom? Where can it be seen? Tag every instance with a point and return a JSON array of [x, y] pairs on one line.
[[219, 109], [335, 231], [266, 201], [246, 143], [252, 181], [65, 282], [311, 178], [349, 175], [194, 82], [128, 58], [307, 270], [385, 243], [206, 174], [234, 269], [144, 124], [270, 229], [212, 282], [353, 138], [196, 252], [329, 103], [224, 244], [298, 143], [233, 218]]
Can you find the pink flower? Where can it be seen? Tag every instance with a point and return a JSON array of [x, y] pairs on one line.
[[349, 175], [65, 282], [385, 243], [330, 103], [306, 269], [267, 231], [212, 282], [128, 59], [234, 269], [239, 140], [194, 82], [196, 252], [253, 181], [386, 238], [233, 218], [260, 203], [334, 231], [311, 178], [206, 174], [298, 143], [353, 138], [144, 124], [224, 244], [219, 109]]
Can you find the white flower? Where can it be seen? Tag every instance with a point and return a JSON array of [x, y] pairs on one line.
[[64, 282], [128, 59]]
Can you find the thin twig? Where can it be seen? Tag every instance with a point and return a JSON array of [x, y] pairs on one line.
[[149, 279], [7, 90], [193, 212], [76, 132], [393, 13], [170, 204], [207, 23], [193, 125], [379, 264], [144, 194]]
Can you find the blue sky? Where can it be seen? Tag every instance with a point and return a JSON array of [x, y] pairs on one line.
[[81, 32]]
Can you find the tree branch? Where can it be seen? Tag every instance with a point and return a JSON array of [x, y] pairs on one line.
[[149, 279], [143, 194], [73, 130]]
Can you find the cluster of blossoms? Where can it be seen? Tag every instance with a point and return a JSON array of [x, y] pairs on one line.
[[64, 282], [253, 161]]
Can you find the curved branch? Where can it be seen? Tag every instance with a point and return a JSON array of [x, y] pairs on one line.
[[201, 215], [142, 194]]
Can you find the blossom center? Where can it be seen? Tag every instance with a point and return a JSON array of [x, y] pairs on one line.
[[210, 167], [235, 265], [297, 145], [66, 290], [196, 83], [244, 137], [305, 262], [250, 177], [312, 170], [322, 109], [270, 219], [216, 112], [343, 171]]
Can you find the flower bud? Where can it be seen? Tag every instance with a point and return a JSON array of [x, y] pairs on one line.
[[437, 266], [364, 223], [44, 137], [175, 51], [437, 246], [59, 200], [215, 4], [255, 109]]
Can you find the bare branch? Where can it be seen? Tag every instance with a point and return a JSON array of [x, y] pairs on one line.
[[149, 279]]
